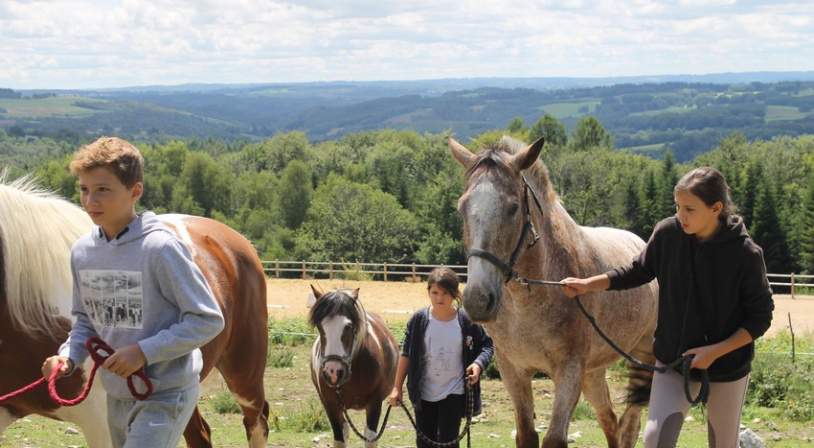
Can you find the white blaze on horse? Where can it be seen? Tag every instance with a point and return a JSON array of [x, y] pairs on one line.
[[37, 230], [353, 362], [514, 224]]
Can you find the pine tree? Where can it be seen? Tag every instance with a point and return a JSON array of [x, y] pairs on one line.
[[668, 180], [807, 228], [766, 230], [649, 216], [750, 183]]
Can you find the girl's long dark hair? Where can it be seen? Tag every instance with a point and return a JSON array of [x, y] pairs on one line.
[[709, 185]]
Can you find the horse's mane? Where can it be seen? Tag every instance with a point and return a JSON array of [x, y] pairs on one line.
[[333, 303], [37, 230], [496, 157]]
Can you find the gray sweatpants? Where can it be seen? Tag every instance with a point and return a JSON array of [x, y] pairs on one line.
[[157, 422], [668, 408]]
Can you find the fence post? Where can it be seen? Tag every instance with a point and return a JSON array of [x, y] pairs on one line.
[[277, 268], [331, 270], [792, 285], [303, 270], [385, 272], [414, 277]]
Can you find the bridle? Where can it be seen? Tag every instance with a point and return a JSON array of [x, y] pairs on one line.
[[507, 267]]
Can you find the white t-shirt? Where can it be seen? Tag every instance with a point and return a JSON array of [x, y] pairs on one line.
[[443, 359]]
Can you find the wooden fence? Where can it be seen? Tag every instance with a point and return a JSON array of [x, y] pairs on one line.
[[796, 284]]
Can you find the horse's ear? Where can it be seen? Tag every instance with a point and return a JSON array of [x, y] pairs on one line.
[[528, 156], [354, 293], [464, 156], [314, 296]]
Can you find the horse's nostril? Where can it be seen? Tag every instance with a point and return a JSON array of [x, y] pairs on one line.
[[490, 300]]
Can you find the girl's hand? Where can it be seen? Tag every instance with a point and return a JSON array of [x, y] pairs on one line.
[[126, 361], [704, 356], [473, 373], [395, 398], [51, 363], [573, 287]]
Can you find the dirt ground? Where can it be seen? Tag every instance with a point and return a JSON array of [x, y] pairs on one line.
[[396, 301]]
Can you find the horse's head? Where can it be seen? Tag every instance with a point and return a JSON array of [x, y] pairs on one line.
[[494, 208], [342, 326]]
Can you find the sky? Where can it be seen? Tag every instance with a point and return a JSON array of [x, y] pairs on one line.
[[100, 44]]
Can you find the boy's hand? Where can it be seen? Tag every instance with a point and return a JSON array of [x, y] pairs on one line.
[[473, 373], [126, 361], [51, 363]]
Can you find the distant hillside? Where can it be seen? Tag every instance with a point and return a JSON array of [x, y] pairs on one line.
[[645, 114]]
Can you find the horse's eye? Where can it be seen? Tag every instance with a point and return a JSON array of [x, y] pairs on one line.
[[512, 209]]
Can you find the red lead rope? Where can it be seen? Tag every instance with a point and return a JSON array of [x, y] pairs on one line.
[[99, 352]]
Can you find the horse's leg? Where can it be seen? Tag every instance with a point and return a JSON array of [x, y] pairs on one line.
[[518, 384], [6, 419], [338, 424], [197, 433], [639, 382], [247, 386], [567, 385], [373, 412], [90, 417], [595, 388]]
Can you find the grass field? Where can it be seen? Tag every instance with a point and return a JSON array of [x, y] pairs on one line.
[[570, 109], [55, 106], [298, 421], [783, 113]]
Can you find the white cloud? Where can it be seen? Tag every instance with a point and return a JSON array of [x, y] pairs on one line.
[[96, 43]]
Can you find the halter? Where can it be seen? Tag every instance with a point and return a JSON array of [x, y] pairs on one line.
[[347, 359], [507, 268]]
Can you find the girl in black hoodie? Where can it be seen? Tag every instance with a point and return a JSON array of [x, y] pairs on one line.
[[714, 301]]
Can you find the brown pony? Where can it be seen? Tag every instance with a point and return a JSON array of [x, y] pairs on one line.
[[353, 362], [514, 225], [37, 230]]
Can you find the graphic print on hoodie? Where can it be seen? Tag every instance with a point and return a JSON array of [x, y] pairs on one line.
[[144, 288], [112, 298]]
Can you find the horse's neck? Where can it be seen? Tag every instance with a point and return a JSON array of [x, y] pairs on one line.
[[560, 244]]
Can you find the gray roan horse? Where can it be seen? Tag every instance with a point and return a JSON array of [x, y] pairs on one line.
[[353, 362], [537, 328]]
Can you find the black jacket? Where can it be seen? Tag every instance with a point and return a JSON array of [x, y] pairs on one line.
[[707, 290], [477, 348]]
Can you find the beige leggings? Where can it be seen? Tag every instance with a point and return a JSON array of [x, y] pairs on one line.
[[669, 406]]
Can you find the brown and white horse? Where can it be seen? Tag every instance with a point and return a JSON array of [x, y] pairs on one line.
[[37, 230], [509, 203], [354, 357]]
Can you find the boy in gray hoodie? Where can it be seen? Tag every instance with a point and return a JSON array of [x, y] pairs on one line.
[[136, 287]]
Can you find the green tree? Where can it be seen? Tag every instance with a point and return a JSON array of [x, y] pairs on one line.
[[552, 129], [806, 228], [55, 176], [277, 152], [650, 213], [750, 182], [667, 181], [203, 186], [766, 230], [295, 193], [590, 133], [516, 126], [633, 212], [355, 222]]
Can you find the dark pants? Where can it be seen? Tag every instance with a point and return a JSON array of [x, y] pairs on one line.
[[440, 420]]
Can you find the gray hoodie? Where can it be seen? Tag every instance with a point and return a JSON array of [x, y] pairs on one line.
[[142, 287]]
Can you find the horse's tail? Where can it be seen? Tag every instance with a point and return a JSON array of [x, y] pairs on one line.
[[638, 385]]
